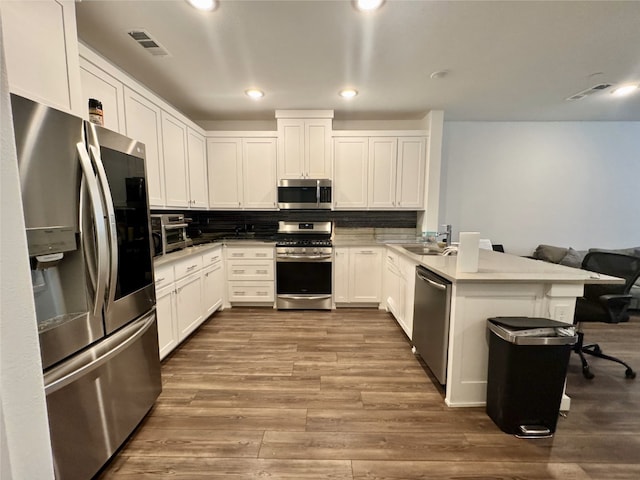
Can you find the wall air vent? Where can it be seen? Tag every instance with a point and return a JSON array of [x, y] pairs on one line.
[[589, 91], [149, 44]]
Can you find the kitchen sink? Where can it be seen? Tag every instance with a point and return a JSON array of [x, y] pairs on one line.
[[422, 249]]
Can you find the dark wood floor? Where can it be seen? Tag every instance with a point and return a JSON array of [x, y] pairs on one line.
[[257, 394]]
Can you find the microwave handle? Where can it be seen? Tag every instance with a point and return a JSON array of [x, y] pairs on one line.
[[318, 193]]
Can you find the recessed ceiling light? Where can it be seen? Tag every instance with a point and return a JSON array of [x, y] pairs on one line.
[[368, 5], [206, 5], [348, 93], [254, 93], [623, 90]]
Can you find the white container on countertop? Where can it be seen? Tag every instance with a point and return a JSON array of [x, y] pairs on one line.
[[468, 252]]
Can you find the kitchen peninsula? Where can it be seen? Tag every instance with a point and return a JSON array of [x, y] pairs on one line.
[[504, 285]]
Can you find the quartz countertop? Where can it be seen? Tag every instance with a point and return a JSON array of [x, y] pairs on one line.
[[506, 268]]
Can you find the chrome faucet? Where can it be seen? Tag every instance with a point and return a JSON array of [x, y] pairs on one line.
[[447, 234]]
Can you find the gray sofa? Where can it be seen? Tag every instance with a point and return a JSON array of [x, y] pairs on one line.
[[573, 258]]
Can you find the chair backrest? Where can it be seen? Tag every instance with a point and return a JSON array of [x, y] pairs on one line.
[[614, 264]]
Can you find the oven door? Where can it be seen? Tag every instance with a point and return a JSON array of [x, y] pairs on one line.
[[303, 282]]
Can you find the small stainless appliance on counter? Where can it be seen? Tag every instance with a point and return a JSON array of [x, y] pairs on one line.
[[304, 194], [86, 212], [431, 312], [303, 265], [169, 233]]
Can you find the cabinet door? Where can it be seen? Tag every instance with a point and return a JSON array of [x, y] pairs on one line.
[[98, 84], [40, 44], [174, 149], [167, 324], [197, 153], [259, 173], [411, 172], [291, 148], [189, 304], [351, 156], [212, 288], [317, 133], [365, 275], [144, 123], [340, 274], [224, 165], [383, 154]]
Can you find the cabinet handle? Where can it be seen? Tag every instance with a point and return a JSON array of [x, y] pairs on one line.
[[160, 279], [261, 254], [192, 267], [238, 271], [367, 252], [262, 294], [239, 294], [237, 254], [264, 272]]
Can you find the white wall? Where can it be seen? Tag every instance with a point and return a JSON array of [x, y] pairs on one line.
[[560, 183], [25, 449]]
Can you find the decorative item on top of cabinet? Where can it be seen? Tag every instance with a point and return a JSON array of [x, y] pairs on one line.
[[304, 143], [96, 83], [242, 172], [357, 276]]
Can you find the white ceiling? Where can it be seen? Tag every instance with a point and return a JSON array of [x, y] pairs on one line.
[[506, 60]]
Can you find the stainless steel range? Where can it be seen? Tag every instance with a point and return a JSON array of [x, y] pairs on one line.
[[303, 265]]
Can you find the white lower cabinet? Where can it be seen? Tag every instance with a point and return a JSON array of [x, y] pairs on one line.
[[399, 284], [188, 291], [250, 275], [357, 275]]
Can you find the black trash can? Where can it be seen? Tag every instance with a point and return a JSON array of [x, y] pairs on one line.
[[528, 360]]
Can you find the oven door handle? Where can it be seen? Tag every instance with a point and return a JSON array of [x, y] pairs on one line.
[[174, 226], [304, 257], [309, 297]]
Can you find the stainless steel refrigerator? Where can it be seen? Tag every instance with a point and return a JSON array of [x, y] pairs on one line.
[[88, 232]]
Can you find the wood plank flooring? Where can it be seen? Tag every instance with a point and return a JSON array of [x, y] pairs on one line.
[[258, 393]]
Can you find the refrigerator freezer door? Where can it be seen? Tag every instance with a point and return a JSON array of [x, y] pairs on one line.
[[97, 398]]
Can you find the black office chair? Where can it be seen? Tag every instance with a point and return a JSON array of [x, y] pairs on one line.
[[605, 303]]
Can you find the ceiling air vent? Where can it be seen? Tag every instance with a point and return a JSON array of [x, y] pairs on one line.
[[148, 43], [589, 91]]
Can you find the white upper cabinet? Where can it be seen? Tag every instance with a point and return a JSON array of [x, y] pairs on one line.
[[242, 173], [351, 158], [224, 161], [259, 173], [197, 154], [144, 123], [98, 84], [174, 151], [304, 145], [383, 156], [410, 172], [377, 172], [41, 50]]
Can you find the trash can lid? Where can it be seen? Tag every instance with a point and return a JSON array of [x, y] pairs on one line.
[[533, 331], [521, 323]]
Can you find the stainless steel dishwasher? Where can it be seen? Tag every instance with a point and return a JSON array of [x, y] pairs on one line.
[[431, 310]]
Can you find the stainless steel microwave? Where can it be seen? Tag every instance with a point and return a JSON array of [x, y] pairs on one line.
[[169, 233], [304, 194]]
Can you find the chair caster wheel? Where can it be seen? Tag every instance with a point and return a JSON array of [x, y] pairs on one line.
[[587, 373], [630, 373], [597, 349]]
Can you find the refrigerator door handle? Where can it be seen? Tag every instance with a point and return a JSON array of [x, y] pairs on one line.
[[99, 355], [111, 223], [101, 234]]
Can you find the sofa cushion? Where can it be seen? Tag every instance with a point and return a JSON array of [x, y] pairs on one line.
[[633, 251], [549, 253], [573, 258]]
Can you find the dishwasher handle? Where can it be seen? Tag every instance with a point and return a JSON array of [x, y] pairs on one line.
[[437, 285]]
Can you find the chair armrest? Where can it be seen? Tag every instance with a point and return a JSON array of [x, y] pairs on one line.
[[616, 306]]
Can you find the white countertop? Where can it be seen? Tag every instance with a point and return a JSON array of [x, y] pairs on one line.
[[504, 267]]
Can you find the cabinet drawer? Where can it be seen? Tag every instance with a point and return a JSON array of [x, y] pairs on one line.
[[188, 265], [249, 252], [251, 292], [164, 275], [250, 270], [212, 256]]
